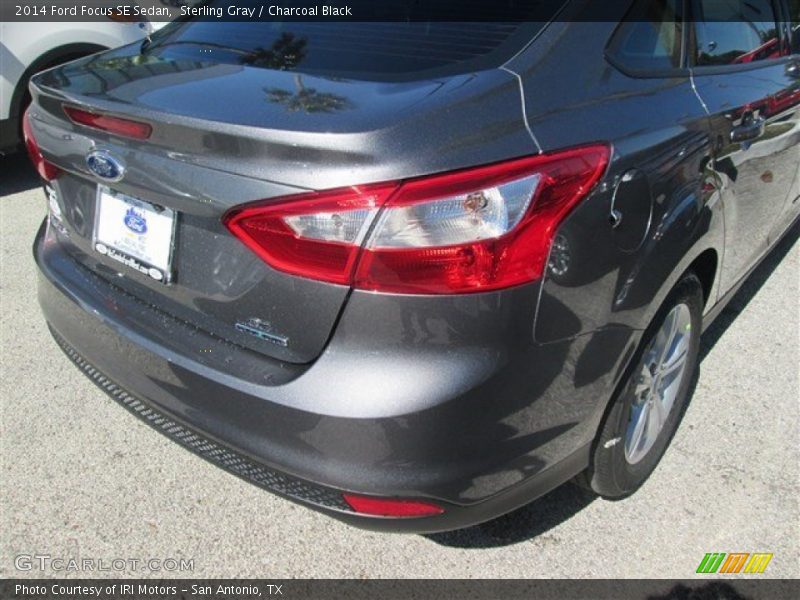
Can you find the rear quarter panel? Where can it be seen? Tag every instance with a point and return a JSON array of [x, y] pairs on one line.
[[595, 313], [658, 128]]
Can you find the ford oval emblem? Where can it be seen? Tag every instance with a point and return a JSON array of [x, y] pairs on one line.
[[135, 221], [105, 166]]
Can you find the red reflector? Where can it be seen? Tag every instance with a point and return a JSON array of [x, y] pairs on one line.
[[116, 125], [474, 230], [387, 507], [46, 170]]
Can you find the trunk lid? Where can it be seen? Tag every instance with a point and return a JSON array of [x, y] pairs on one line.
[[226, 134]]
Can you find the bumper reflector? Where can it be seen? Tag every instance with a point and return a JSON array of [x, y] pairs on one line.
[[391, 507]]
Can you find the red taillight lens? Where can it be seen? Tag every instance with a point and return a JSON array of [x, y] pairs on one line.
[[116, 125], [470, 231], [388, 507], [314, 235], [46, 170]]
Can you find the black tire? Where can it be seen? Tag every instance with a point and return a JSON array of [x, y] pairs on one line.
[[610, 474]]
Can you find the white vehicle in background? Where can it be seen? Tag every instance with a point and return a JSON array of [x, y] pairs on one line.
[[27, 48]]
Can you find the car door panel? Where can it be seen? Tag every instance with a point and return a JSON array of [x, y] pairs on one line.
[[791, 98], [753, 101]]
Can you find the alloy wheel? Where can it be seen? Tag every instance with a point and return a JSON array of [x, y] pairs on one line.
[[658, 382]]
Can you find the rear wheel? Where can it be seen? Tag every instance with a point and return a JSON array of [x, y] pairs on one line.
[[644, 416]]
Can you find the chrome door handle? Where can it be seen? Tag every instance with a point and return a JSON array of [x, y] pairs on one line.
[[750, 129]]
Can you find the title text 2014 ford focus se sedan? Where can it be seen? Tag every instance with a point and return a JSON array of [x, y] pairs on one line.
[[414, 275]]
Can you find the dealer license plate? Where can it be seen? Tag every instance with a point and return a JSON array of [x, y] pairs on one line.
[[135, 233]]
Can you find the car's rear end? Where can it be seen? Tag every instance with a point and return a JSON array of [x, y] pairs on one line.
[[313, 256]]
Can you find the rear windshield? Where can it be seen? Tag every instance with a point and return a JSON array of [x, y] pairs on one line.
[[373, 50]]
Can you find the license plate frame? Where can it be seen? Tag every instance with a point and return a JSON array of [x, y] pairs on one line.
[[135, 233]]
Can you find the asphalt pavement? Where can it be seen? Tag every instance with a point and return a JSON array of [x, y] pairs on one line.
[[82, 478]]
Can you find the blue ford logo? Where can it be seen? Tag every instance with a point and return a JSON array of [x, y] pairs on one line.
[[135, 221], [105, 166]]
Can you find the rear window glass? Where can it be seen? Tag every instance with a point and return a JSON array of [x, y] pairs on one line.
[[371, 50]]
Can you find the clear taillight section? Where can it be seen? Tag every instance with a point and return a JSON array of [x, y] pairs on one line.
[[469, 231], [46, 170], [455, 219]]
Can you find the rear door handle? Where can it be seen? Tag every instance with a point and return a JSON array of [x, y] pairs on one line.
[[751, 128]]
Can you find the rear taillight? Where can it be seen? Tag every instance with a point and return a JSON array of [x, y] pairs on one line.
[[116, 125], [46, 170], [316, 235], [391, 507], [469, 231]]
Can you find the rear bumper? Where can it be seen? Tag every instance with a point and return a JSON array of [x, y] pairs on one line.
[[491, 446]]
